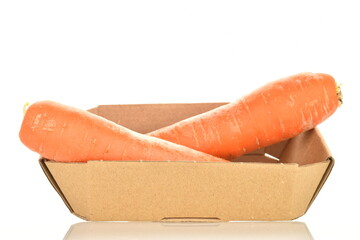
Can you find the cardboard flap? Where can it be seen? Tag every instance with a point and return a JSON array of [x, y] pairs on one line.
[[94, 110], [276, 150], [306, 148], [144, 118], [323, 180], [74, 181], [53, 183]]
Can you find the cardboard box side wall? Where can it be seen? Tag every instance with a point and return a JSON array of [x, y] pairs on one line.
[[188, 190], [154, 191]]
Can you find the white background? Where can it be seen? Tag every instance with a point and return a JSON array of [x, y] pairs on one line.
[[85, 53]]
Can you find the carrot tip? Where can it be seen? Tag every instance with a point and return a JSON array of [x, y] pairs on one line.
[[339, 94], [25, 107]]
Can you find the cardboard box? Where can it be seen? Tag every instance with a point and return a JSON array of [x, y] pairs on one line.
[[158, 230], [274, 183]]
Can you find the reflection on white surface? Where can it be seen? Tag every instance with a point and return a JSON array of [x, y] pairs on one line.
[[159, 230]]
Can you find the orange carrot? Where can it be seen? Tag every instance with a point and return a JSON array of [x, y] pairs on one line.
[[277, 111], [66, 134]]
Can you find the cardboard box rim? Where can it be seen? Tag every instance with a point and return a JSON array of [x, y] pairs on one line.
[[328, 161]]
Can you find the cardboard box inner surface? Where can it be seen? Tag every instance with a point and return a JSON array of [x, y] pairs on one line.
[[278, 182]]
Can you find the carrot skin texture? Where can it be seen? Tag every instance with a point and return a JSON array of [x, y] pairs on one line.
[[62, 133], [275, 112]]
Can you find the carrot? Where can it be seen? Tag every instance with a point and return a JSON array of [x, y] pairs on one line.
[[275, 112], [66, 134]]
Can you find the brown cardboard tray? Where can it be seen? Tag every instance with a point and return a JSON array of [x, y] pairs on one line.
[[278, 182]]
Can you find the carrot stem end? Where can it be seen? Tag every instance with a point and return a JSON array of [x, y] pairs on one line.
[[339, 94], [25, 107]]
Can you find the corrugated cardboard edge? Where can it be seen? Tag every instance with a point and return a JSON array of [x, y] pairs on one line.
[[323, 180], [327, 172], [56, 186]]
